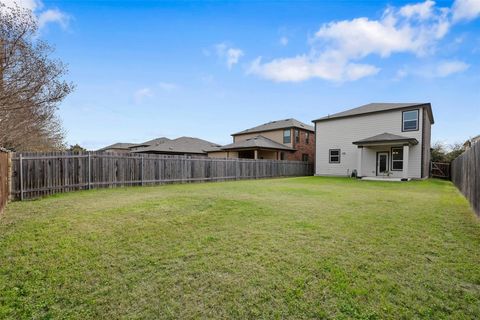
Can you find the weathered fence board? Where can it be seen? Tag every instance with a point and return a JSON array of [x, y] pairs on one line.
[[39, 174], [4, 178], [466, 175]]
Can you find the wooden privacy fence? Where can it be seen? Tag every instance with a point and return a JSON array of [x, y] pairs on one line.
[[4, 178], [39, 174], [466, 175]]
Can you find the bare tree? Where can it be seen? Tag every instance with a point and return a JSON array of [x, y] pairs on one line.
[[31, 85]]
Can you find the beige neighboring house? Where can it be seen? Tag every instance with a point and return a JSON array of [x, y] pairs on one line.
[[119, 147], [287, 139], [388, 140]]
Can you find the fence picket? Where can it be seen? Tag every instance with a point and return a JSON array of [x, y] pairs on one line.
[[466, 175], [39, 174]]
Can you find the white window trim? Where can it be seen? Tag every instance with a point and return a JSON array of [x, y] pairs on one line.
[[330, 156], [403, 120], [398, 148]]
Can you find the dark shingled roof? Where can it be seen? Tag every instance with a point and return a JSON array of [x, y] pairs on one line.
[[257, 142], [119, 145], [183, 145], [151, 142], [275, 125], [386, 137], [377, 107]]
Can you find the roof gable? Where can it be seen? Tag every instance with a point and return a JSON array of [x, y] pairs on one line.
[[259, 141], [277, 125], [119, 145], [377, 107], [180, 145], [151, 142]]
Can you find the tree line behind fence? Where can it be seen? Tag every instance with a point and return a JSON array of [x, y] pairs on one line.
[[466, 175], [39, 174]]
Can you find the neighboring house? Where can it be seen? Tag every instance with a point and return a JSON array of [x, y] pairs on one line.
[[149, 143], [179, 146], [377, 139], [118, 148], [287, 139], [468, 144]]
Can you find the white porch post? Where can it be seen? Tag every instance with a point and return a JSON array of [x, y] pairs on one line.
[[360, 160], [255, 152], [406, 150]]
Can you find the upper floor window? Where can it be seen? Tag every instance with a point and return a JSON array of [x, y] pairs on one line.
[[297, 136], [334, 155], [307, 137], [287, 136], [410, 120]]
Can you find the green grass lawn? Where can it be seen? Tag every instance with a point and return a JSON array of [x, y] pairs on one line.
[[283, 248]]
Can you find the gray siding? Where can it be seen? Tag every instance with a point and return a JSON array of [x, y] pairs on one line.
[[340, 133], [427, 136]]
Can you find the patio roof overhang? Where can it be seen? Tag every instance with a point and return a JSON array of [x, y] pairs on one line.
[[386, 139]]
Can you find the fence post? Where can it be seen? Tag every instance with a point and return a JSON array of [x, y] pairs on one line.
[[89, 171], [9, 175], [141, 177], [21, 177], [237, 169]]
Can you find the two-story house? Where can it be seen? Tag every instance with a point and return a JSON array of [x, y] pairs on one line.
[[375, 140], [287, 139]]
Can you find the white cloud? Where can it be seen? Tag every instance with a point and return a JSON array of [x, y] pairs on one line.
[[392, 33], [466, 10], [283, 41], [53, 16], [337, 47], [442, 69], [229, 54], [422, 10], [302, 68], [141, 94], [43, 16], [447, 68], [167, 86]]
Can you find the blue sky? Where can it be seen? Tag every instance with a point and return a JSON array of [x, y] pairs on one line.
[[145, 69]]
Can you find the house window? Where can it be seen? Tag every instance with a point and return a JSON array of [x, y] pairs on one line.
[[334, 155], [282, 155], [307, 137], [297, 136], [410, 120], [287, 138], [305, 157], [397, 159]]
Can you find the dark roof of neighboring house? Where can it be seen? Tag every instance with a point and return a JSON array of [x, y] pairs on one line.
[[257, 142], [180, 145], [386, 137], [275, 125], [151, 142], [119, 145], [377, 107]]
